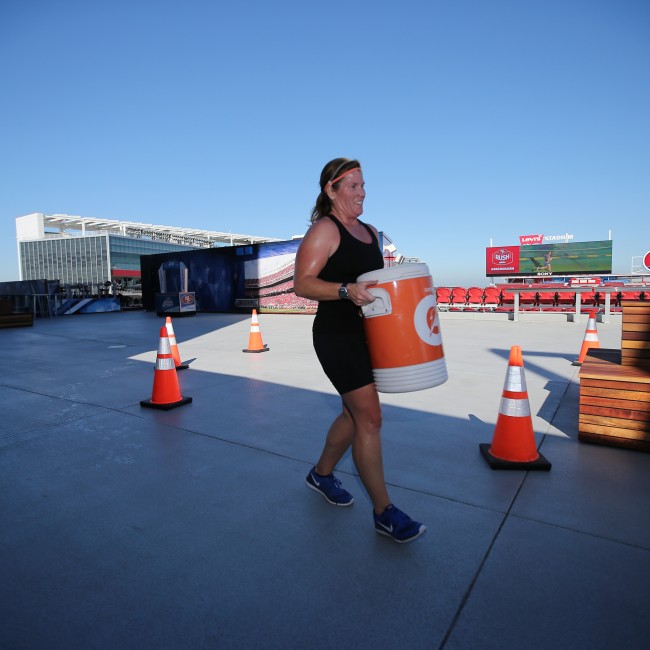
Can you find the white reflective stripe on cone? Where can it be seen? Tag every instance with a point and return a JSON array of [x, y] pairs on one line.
[[517, 408], [515, 379], [164, 346], [591, 337], [165, 363]]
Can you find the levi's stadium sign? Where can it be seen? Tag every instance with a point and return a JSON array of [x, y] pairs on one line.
[[525, 240], [646, 260]]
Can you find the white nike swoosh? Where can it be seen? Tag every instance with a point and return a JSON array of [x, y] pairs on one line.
[[313, 478], [388, 528]]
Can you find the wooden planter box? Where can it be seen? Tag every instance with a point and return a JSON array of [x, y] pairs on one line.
[[614, 401], [635, 337]]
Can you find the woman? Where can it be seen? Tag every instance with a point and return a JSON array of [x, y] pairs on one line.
[[338, 248]]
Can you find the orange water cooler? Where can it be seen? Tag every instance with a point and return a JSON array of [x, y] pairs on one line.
[[403, 329]]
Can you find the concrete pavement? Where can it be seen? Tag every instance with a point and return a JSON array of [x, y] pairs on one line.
[[124, 527]]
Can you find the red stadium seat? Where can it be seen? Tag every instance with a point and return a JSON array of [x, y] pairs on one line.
[[589, 299], [475, 298], [443, 298], [631, 295], [566, 299], [547, 299], [527, 299], [506, 300], [491, 299], [458, 298]]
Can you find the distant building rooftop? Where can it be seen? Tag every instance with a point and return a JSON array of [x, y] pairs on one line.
[[37, 226]]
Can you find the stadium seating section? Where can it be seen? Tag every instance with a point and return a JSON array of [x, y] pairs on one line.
[[546, 297]]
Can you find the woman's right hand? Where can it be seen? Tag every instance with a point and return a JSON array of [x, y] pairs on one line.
[[358, 292]]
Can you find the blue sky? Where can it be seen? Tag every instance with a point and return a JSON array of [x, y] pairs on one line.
[[474, 120]]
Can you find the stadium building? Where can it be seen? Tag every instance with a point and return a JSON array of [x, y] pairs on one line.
[[81, 250], [81, 257]]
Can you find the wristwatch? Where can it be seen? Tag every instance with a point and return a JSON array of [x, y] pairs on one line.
[[343, 291]]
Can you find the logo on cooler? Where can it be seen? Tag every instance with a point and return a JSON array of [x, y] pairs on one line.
[[426, 321]]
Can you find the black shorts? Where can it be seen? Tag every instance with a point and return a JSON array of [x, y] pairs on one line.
[[345, 359]]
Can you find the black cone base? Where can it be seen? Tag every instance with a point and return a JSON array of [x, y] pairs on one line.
[[165, 407], [540, 464]]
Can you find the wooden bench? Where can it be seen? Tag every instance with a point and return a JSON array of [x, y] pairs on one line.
[[615, 386]]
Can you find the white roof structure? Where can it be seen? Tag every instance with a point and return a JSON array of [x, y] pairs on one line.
[[33, 226]]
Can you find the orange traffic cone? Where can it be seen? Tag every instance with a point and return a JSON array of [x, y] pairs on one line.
[[513, 444], [166, 393], [255, 338], [174, 346], [590, 340]]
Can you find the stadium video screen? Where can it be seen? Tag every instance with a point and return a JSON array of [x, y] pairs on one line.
[[566, 258]]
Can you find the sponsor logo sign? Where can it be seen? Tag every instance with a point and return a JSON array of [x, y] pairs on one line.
[[646, 260], [526, 240], [530, 239], [502, 260], [586, 281], [187, 302]]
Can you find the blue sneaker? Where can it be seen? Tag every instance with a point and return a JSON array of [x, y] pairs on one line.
[[397, 525], [329, 487]]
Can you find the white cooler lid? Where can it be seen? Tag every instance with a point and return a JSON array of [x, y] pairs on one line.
[[399, 272]]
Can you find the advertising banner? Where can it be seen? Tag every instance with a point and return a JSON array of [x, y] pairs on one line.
[[229, 278], [502, 261], [531, 239], [570, 258]]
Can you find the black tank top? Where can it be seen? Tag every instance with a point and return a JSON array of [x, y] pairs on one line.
[[352, 258]]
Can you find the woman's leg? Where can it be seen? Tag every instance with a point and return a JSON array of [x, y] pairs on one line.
[[365, 411], [338, 441]]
